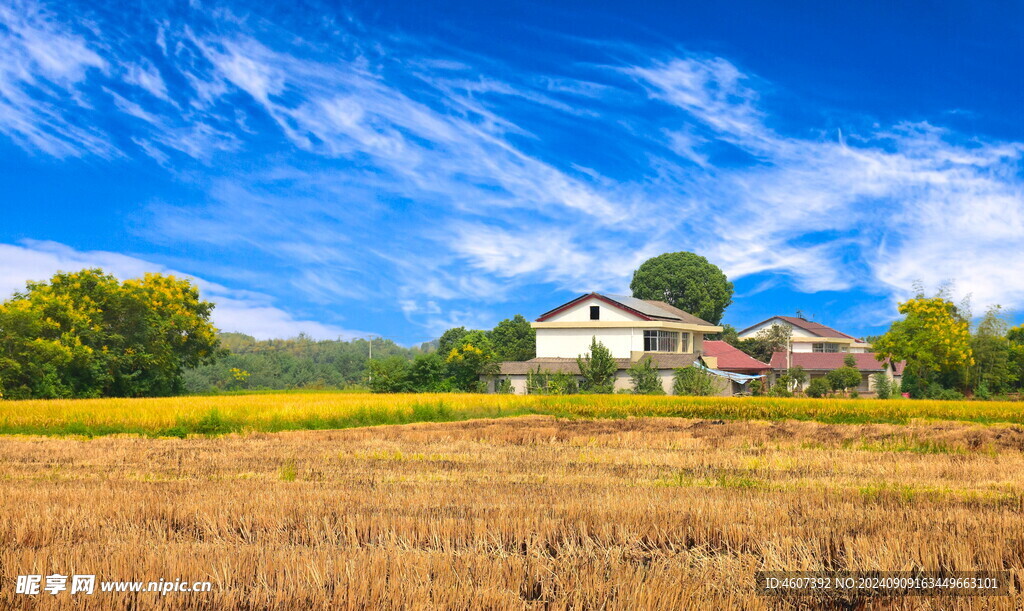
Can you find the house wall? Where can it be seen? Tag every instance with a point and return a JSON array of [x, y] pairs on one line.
[[581, 312], [797, 332], [725, 388], [573, 342]]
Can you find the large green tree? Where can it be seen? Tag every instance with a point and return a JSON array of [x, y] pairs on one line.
[[85, 334], [450, 340], [514, 339], [686, 281], [994, 369]]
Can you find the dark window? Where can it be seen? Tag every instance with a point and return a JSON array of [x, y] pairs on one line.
[[595, 312]]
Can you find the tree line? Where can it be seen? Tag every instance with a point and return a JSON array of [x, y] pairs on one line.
[[297, 363]]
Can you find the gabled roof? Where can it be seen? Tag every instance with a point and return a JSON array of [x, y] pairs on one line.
[[815, 328], [827, 361], [731, 358], [645, 309]]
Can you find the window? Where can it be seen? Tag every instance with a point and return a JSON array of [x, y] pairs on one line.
[[825, 347], [595, 312], [660, 341]]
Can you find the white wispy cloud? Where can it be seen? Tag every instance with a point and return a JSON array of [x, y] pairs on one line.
[[236, 310], [44, 63], [445, 184]]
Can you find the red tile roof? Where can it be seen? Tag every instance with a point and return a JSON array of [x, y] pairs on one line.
[[731, 358], [828, 361]]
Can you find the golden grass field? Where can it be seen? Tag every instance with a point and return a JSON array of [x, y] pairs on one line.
[[534, 511], [181, 416]]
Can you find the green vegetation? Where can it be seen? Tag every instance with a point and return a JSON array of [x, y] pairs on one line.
[[686, 281], [597, 369], [541, 382], [693, 381], [86, 334], [644, 377], [514, 339], [775, 338], [297, 363], [818, 388], [946, 358]]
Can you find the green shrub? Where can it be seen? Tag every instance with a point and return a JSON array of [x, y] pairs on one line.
[[597, 369], [693, 381], [819, 387], [645, 379], [781, 387], [883, 386], [503, 386], [983, 392], [843, 378]]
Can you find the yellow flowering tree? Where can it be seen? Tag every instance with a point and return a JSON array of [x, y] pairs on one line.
[[470, 359], [85, 334], [934, 337]]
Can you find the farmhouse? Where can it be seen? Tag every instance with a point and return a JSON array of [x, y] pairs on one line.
[[808, 336], [631, 329], [819, 349]]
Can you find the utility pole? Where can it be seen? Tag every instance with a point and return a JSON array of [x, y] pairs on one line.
[[369, 339]]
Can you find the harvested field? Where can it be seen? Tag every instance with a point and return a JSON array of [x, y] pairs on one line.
[[530, 512]]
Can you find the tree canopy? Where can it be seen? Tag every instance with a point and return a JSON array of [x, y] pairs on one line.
[[298, 362], [86, 334], [766, 342], [934, 337], [686, 281], [514, 339]]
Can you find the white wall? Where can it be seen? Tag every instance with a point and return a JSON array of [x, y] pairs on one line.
[[797, 332], [622, 382], [571, 343], [581, 312]]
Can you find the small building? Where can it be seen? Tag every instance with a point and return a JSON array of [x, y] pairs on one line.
[[631, 329]]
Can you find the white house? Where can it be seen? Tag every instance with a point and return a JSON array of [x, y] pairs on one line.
[[810, 336], [630, 328], [818, 349]]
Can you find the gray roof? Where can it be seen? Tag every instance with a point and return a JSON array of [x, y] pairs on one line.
[[658, 309]]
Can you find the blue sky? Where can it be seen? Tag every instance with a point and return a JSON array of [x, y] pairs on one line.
[[397, 168]]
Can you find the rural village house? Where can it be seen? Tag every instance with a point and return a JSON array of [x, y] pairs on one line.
[[819, 349], [631, 329]]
